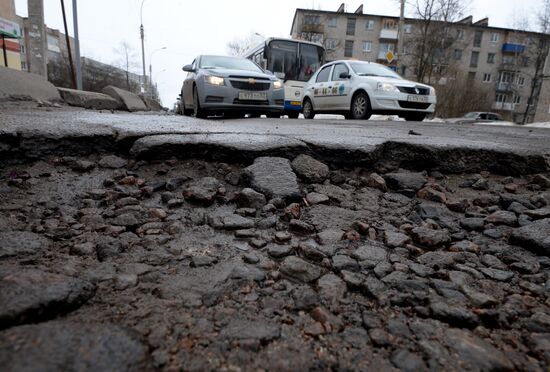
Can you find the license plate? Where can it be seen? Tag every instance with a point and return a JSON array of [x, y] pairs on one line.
[[423, 99], [252, 96]]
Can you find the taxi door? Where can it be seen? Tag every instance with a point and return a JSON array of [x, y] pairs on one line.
[[321, 91], [340, 87]]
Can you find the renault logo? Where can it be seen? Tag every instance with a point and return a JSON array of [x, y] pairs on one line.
[[252, 81]]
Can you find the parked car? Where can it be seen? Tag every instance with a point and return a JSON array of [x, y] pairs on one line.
[[476, 117], [232, 86], [358, 89]]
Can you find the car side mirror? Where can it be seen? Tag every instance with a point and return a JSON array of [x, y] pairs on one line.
[[188, 68], [344, 75]]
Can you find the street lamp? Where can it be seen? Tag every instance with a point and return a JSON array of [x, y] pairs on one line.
[[151, 70], [142, 33]]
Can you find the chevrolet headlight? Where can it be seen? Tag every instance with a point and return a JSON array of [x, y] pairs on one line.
[[432, 91], [214, 80], [277, 84], [387, 87]]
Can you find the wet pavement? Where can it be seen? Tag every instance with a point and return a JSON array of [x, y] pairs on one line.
[[123, 249]]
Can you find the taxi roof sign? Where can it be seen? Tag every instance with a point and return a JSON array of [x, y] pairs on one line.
[[390, 56]]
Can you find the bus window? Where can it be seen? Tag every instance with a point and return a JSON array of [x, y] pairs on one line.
[[311, 58], [283, 58]]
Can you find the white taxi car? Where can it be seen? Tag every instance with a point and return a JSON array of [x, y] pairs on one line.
[[358, 89]]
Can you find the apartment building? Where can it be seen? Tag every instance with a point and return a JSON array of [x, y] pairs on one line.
[[498, 59]]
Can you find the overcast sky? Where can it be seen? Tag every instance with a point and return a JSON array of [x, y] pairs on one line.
[[188, 28]]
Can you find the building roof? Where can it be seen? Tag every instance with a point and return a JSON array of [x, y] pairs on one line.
[[467, 21]]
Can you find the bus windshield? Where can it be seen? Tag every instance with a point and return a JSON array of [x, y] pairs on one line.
[[290, 60]]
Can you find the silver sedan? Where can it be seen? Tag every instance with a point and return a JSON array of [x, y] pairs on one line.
[[232, 86]]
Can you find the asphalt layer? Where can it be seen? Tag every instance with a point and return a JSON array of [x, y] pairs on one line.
[[33, 132]]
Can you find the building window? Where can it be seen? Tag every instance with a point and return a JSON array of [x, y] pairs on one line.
[[23, 50], [333, 22], [495, 38], [331, 44], [389, 24], [500, 98], [517, 99], [474, 59], [367, 46], [487, 78], [491, 58], [53, 44], [313, 36], [457, 54], [407, 29], [23, 65], [524, 62], [348, 50], [350, 30], [521, 80], [310, 19], [370, 24], [471, 75], [460, 34], [477, 39], [509, 60]]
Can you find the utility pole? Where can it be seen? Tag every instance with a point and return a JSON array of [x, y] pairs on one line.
[[68, 41], [77, 47], [37, 38], [400, 53], [142, 33]]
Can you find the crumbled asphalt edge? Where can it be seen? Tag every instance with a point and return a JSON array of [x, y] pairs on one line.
[[19, 148]]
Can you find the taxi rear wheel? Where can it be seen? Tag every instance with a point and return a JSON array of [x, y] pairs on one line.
[[307, 109], [360, 107]]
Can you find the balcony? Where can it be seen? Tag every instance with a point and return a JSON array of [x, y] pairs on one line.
[[513, 48], [388, 34], [317, 28], [504, 106], [507, 87]]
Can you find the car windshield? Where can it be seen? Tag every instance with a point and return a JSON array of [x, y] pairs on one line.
[[471, 115], [231, 63], [372, 69]]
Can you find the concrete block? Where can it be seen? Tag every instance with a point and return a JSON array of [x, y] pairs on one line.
[[152, 104], [20, 85], [130, 101], [89, 100]]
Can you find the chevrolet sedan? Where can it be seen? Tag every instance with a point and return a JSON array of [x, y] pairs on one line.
[[358, 89], [231, 86]]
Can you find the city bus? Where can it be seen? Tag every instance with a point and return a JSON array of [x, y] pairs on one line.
[[294, 62]]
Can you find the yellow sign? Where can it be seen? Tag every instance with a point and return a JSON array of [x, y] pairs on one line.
[[390, 56]]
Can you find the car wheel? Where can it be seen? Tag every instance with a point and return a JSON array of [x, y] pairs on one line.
[[415, 116], [185, 111], [198, 112], [293, 115], [307, 109], [360, 106]]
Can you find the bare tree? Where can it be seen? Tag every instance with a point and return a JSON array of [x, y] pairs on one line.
[[240, 45], [473, 96], [541, 51], [430, 45], [127, 60]]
